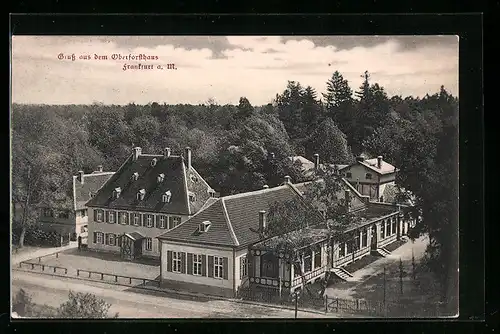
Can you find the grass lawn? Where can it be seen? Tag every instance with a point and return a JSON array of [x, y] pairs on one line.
[[74, 259]]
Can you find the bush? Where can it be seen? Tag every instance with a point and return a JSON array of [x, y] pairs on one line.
[[84, 305], [22, 304]]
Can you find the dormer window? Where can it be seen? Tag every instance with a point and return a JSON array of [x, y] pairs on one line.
[[135, 176], [204, 226], [368, 176], [141, 194], [117, 192], [166, 197], [91, 195], [193, 178], [192, 197], [160, 178], [153, 162]]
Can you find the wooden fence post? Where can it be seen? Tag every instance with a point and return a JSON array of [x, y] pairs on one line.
[[57, 254], [43, 267], [20, 264], [116, 278], [54, 269], [78, 272], [90, 273], [130, 280], [144, 282], [39, 259], [32, 266], [102, 276], [65, 271]]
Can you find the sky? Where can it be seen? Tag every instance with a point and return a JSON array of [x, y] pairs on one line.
[[222, 68]]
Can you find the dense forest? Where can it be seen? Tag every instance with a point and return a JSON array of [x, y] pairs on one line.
[[241, 147]]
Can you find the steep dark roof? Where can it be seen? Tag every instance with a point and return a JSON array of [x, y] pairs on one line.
[[176, 179], [233, 218], [91, 184]]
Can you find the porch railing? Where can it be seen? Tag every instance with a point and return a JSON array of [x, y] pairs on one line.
[[269, 282], [308, 276]]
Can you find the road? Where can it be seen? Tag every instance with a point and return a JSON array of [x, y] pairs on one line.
[[53, 291]]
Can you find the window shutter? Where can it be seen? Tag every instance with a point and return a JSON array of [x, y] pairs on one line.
[[130, 218], [157, 221], [183, 263], [95, 215], [190, 263], [224, 267], [106, 218], [169, 260], [204, 265], [106, 236], [210, 266], [95, 237], [115, 238], [141, 219]]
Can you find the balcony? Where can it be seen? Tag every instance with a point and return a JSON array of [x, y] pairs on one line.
[[309, 276]]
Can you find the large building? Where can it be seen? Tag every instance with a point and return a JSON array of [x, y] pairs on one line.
[[371, 177], [71, 217], [208, 253], [148, 195]]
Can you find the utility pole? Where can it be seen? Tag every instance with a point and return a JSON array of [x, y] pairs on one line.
[[401, 273], [384, 293]]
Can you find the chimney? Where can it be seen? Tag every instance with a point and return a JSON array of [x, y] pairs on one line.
[[137, 152], [271, 156], [80, 176], [265, 186], [379, 161], [287, 179], [347, 199], [99, 168], [360, 159], [167, 152], [188, 157], [316, 161], [262, 220]]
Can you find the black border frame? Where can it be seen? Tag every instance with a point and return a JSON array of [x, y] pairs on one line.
[[467, 26]]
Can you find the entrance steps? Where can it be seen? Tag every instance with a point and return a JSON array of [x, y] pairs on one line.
[[341, 273], [382, 251]]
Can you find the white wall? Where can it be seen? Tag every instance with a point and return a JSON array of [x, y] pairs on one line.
[[116, 228], [239, 255], [205, 250]]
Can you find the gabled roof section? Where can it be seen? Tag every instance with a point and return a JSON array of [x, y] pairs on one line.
[[174, 181], [385, 168], [233, 218], [91, 185]]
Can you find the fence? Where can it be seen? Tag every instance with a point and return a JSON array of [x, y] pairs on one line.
[[89, 274]]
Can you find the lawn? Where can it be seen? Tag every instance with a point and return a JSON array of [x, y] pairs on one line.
[[74, 259]]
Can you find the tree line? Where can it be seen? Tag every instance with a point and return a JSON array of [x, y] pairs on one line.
[[242, 147]]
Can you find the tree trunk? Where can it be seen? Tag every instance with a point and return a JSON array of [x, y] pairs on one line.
[[298, 267], [21, 237]]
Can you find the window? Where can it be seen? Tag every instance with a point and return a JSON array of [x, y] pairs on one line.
[[317, 258], [193, 178], [387, 227], [162, 221], [243, 267], [99, 238], [348, 175], [173, 221], [149, 221], [111, 217], [368, 176], [364, 240], [197, 264], [218, 267], [117, 192], [84, 213], [356, 242], [141, 194], [63, 214], [99, 216], [349, 247], [137, 219], [308, 261], [394, 226], [204, 226], [342, 250], [382, 230], [192, 197], [160, 178], [166, 197], [149, 244], [124, 218], [91, 195], [111, 239], [176, 262], [48, 213]]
